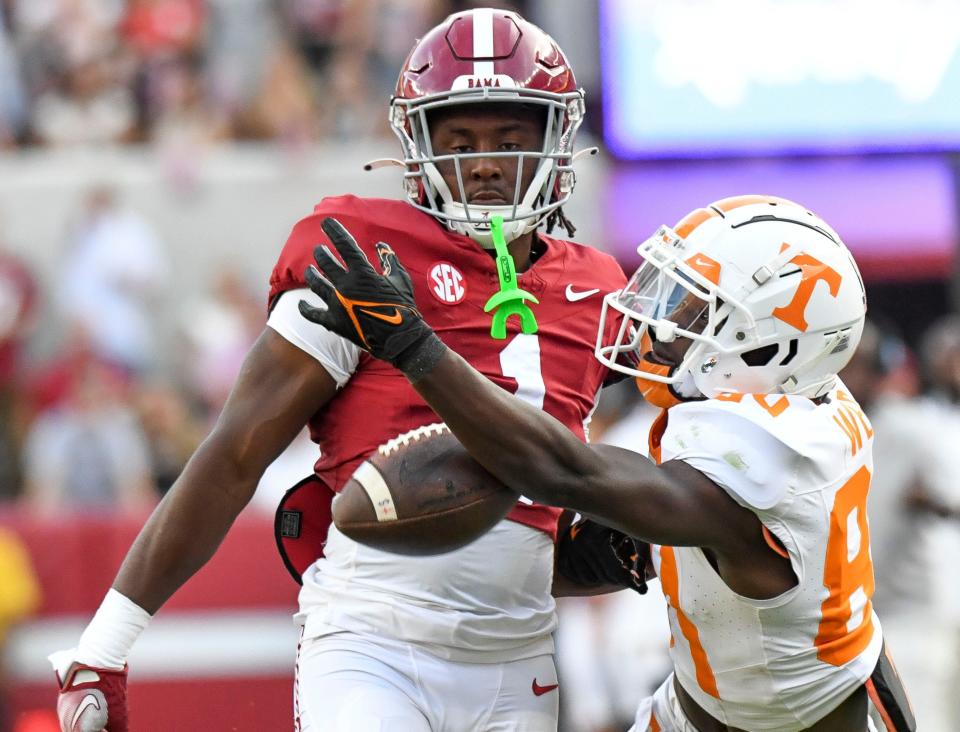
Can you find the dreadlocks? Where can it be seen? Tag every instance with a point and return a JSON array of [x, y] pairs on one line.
[[558, 217]]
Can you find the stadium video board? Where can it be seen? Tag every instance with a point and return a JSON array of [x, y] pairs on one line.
[[694, 78]]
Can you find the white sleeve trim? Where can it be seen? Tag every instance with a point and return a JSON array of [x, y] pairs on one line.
[[336, 354]]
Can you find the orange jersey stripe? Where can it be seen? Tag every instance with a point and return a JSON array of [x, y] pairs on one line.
[[654, 724], [671, 587], [773, 542], [657, 429]]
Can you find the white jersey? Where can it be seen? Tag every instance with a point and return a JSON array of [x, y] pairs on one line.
[[487, 602], [804, 469]]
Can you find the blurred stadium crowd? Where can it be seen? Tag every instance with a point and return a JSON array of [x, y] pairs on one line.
[[184, 72], [94, 427], [91, 426], [177, 75]]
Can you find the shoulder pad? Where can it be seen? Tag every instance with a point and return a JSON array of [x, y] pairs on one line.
[[736, 445], [297, 252]]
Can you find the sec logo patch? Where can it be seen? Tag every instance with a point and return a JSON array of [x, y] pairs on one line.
[[447, 283]]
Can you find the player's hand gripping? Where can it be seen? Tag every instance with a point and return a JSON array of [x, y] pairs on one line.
[[90, 699], [375, 311], [592, 554]]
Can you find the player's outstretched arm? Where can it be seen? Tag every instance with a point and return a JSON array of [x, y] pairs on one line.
[[278, 390], [537, 455], [524, 447], [673, 504]]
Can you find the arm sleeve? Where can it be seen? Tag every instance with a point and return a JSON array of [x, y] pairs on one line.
[[337, 355]]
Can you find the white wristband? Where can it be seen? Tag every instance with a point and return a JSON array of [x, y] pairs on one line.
[[107, 641]]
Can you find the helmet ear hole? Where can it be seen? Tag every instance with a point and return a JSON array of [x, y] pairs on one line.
[[791, 352], [760, 356]]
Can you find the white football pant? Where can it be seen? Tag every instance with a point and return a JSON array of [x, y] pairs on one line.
[[348, 682]]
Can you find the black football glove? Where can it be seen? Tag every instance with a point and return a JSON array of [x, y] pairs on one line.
[[591, 554], [375, 311]]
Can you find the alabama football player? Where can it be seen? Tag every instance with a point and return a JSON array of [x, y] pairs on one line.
[[487, 109], [754, 501]]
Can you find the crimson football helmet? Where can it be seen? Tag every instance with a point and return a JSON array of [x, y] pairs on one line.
[[487, 56]]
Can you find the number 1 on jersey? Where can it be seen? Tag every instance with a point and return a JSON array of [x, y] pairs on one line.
[[520, 360]]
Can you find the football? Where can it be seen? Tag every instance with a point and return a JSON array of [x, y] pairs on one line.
[[419, 494]]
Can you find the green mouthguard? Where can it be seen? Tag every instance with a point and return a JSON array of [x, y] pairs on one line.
[[511, 299]]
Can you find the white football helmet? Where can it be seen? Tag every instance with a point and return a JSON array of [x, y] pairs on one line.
[[769, 297]]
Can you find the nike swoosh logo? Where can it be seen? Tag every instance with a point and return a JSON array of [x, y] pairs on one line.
[[394, 319], [541, 690], [574, 530], [91, 701], [574, 296]]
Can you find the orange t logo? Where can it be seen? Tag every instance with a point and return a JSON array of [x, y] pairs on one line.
[[812, 270]]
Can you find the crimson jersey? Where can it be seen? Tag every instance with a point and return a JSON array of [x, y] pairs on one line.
[[452, 279]]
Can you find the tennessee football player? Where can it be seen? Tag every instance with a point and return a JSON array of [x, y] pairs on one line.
[[753, 500]]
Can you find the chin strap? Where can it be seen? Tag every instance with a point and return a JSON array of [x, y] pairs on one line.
[[511, 299], [383, 163], [583, 153]]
